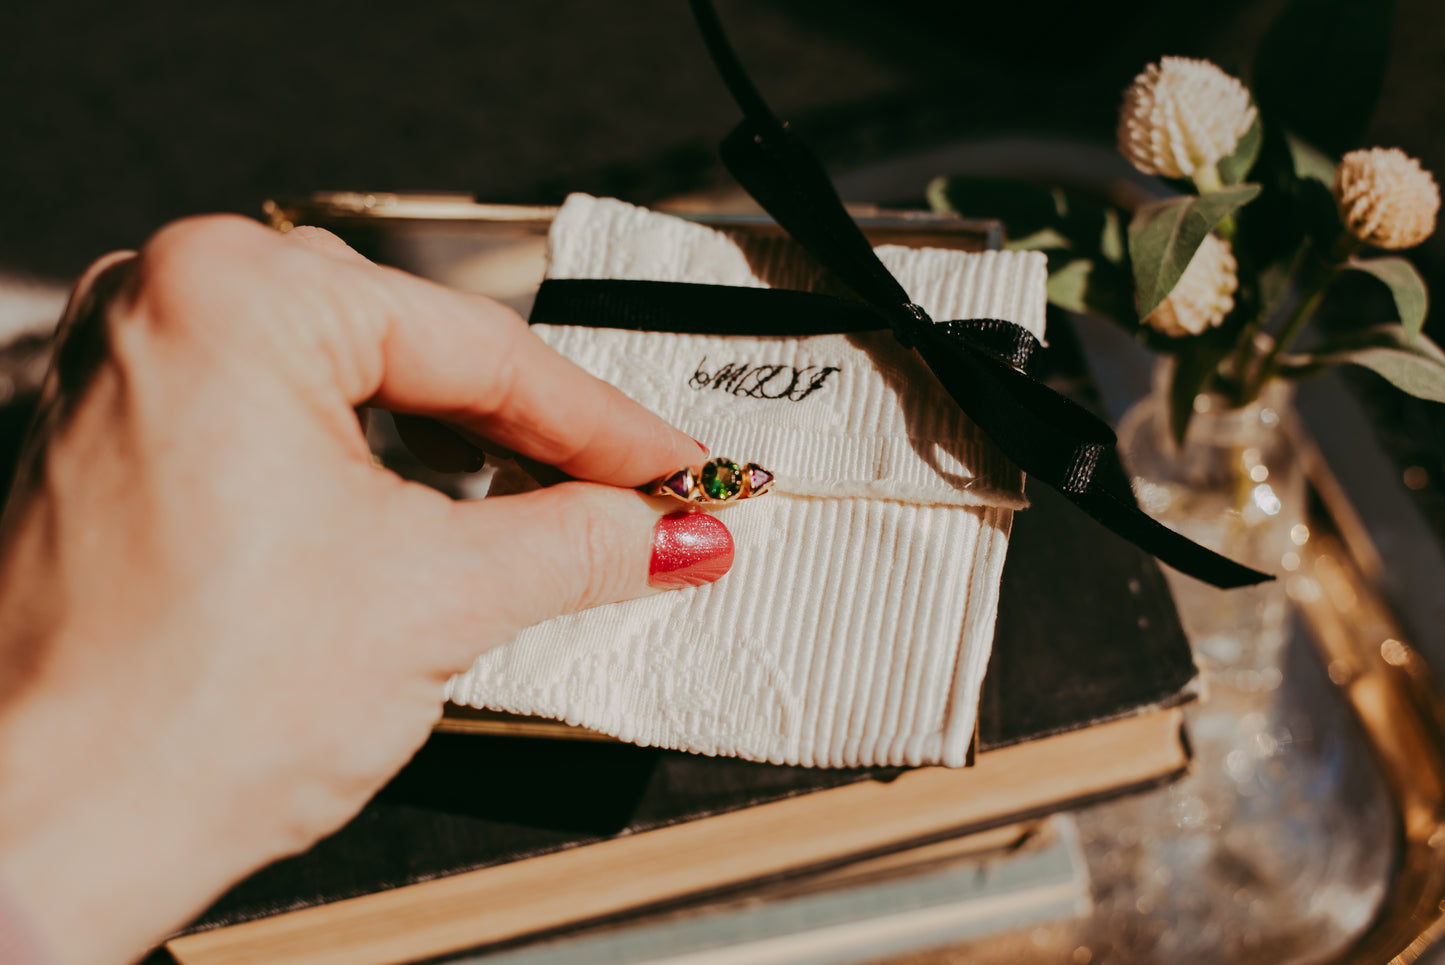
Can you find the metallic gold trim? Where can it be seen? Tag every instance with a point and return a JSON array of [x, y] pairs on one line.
[[356, 208], [492, 723]]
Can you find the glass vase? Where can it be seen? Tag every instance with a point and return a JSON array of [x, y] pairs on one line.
[[1272, 848], [1236, 486]]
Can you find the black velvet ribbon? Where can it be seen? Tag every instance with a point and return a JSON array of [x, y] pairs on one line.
[[982, 363]]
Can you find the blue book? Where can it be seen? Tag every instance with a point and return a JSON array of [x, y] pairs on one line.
[[910, 907]]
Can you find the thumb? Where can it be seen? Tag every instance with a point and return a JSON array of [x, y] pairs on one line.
[[578, 545]]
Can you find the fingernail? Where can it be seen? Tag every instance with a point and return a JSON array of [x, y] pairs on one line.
[[689, 549], [705, 449]]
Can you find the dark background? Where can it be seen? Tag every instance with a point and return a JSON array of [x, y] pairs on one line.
[[119, 117]]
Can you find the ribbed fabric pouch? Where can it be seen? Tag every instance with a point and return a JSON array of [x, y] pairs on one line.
[[857, 621]]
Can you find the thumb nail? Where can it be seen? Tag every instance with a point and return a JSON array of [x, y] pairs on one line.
[[689, 549]]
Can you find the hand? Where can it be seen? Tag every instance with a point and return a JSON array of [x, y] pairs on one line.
[[222, 627]]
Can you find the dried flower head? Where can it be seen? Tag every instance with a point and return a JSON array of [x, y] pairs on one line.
[[1386, 199], [1204, 295], [1181, 116]]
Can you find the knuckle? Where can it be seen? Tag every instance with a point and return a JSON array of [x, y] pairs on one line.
[[583, 569], [314, 234], [178, 245], [505, 376], [590, 536], [319, 239], [192, 263]]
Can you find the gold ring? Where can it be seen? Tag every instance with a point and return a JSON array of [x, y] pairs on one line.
[[714, 482]]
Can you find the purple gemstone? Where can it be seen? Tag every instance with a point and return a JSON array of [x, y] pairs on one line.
[[678, 483], [759, 478]]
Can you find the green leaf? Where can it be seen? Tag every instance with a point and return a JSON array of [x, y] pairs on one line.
[[1198, 361], [1111, 237], [1091, 287], [1309, 161], [1191, 377], [1319, 69], [1164, 235], [1068, 287], [1317, 213], [1271, 229], [1082, 219], [1235, 168], [1406, 286], [1415, 365], [1040, 240], [1275, 280], [1024, 208], [937, 195]]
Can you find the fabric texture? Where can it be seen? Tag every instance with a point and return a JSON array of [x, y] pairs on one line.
[[856, 624]]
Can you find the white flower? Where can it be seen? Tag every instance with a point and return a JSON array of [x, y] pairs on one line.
[[1204, 294], [1181, 116], [1386, 199]]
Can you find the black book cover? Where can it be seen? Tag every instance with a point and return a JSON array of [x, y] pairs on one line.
[[1086, 632]]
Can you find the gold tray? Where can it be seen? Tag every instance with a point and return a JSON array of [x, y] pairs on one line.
[[1390, 689]]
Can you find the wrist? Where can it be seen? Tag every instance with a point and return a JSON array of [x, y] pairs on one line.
[[82, 840]]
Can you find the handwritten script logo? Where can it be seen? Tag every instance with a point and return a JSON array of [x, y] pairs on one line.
[[762, 381]]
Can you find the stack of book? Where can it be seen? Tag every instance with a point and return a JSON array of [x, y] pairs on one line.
[[512, 841], [498, 845]]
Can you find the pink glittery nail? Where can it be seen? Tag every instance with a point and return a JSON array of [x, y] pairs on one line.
[[689, 549]]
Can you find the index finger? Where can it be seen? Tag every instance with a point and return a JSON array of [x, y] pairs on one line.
[[472, 362], [428, 350]]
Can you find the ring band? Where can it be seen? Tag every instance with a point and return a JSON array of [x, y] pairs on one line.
[[714, 482]]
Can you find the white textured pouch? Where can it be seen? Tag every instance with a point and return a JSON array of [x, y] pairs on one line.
[[856, 623]]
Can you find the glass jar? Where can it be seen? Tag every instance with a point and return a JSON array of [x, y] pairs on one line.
[[1263, 852], [1237, 487]]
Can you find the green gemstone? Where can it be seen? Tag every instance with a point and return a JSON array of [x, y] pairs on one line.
[[722, 479]]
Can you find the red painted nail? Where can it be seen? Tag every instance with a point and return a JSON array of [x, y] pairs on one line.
[[689, 549], [705, 449]]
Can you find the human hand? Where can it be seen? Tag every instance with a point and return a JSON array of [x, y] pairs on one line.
[[222, 627]]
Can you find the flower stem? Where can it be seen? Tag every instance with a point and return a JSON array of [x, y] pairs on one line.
[[1206, 181], [1317, 283]]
